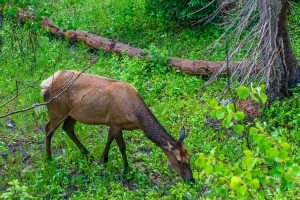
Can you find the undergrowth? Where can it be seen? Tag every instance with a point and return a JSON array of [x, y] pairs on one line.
[[29, 55]]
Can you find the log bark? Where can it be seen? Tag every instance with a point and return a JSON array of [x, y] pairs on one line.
[[192, 67]]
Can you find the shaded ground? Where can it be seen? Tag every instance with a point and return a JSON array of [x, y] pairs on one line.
[[20, 153]]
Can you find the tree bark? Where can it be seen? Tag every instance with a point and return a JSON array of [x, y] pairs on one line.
[[278, 56], [287, 52], [191, 67]]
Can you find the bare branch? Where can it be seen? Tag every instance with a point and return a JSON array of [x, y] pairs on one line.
[[57, 94], [19, 140], [252, 27]]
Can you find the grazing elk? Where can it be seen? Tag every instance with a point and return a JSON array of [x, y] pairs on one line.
[[73, 96]]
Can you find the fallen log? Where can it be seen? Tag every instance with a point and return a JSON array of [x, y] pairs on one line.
[[192, 67]]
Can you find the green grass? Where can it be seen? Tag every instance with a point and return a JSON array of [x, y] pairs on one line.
[[128, 22], [176, 99]]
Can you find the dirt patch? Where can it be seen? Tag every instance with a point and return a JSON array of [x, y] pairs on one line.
[[250, 108]]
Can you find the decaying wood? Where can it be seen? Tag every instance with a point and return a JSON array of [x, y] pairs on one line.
[[192, 67]]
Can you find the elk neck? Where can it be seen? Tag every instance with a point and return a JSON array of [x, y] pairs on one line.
[[152, 128]]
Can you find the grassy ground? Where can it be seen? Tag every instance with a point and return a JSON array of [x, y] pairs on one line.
[[176, 99]]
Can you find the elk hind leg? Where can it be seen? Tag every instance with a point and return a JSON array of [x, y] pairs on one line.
[[117, 134], [104, 155], [68, 127], [49, 129]]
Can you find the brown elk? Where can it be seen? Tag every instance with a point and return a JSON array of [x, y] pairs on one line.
[[73, 96]]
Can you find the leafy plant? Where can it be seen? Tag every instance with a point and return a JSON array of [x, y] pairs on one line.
[[254, 175], [16, 191], [158, 59], [182, 10]]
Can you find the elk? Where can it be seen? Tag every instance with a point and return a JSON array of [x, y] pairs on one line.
[[72, 96]]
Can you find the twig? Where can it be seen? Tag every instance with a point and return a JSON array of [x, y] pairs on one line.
[[65, 117], [19, 140], [56, 95]]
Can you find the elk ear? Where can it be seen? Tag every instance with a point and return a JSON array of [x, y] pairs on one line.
[[182, 135], [167, 144]]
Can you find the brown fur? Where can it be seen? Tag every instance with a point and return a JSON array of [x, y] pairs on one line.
[[96, 100]]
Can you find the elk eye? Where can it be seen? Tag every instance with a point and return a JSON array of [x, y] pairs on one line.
[[179, 162]]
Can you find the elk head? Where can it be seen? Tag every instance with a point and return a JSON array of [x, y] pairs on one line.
[[178, 156]]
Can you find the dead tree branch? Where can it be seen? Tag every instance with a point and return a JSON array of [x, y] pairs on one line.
[[259, 29]]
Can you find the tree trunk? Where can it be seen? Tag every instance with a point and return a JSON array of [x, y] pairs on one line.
[[278, 57], [288, 54]]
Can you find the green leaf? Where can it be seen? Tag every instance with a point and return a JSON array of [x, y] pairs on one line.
[[268, 143], [253, 131], [33, 2], [219, 166], [279, 168], [13, 11], [227, 121], [224, 191], [275, 173], [232, 107], [238, 128], [288, 177], [273, 152], [283, 139], [269, 161], [195, 175], [274, 133], [234, 182], [213, 151], [243, 189], [285, 146], [262, 87], [208, 168], [250, 163], [249, 175], [255, 98], [263, 98], [260, 174], [248, 153], [291, 185], [221, 157], [288, 162], [200, 162], [239, 115], [220, 114], [243, 92], [213, 103], [261, 141], [262, 194], [283, 187], [225, 109], [296, 170], [282, 154], [258, 125], [255, 184], [213, 114]]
